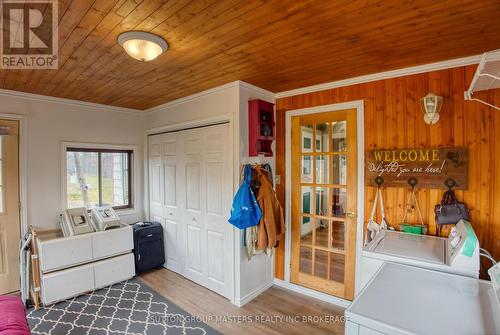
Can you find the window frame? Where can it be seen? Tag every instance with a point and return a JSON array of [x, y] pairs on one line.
[[100, 151]]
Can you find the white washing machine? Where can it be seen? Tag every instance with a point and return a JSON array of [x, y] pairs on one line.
[[407, 300], [457, 254]]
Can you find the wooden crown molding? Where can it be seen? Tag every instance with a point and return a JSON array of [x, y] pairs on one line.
[[383, 75], [70, 102], [303, 90]]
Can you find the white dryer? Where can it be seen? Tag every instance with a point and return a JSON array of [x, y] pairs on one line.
[[407, 300], [457, 254]]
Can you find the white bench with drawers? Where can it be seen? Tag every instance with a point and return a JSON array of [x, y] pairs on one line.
[[70, 266]]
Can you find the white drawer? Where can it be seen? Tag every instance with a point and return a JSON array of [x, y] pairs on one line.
[[67, 283], [65, 252], [114, 270], [112, 242]]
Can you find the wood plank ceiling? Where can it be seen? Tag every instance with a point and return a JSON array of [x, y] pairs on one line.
[[277, 45]]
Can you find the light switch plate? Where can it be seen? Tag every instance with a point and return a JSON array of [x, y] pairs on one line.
[[277, 180]]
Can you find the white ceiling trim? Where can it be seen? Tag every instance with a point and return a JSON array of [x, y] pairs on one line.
[[70, 102], [237, 83], [383, 75], [309, 89], [262, 91], [167, 105]]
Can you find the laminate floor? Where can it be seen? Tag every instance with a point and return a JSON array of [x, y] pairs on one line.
[[276, 311]]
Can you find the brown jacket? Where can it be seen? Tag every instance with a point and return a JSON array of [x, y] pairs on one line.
[[272, 224]]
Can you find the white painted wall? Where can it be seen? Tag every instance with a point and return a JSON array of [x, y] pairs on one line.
[[51, 122], [216, 104], [223, 103], [257, 274]]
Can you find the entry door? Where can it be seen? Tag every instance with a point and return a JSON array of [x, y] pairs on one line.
[[10, 231], [323, 201]]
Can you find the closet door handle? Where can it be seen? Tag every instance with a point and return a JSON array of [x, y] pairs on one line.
[[351, 215]]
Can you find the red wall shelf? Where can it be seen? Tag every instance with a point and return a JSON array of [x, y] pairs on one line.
[[261, 131]]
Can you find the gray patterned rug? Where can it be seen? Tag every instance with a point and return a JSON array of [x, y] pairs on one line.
[[130, 308]]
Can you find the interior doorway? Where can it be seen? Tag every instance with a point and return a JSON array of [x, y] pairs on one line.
[[324, 187], [10, 224]]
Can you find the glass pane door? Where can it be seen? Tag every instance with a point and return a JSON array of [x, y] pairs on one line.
[[321, 154]]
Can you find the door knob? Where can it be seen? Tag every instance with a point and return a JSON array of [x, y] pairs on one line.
[[351, 215]]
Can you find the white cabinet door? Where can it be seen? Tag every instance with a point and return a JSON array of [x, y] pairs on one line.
[[155, 179], [171, 162], [195, 196], [217, 197], [193, 223]]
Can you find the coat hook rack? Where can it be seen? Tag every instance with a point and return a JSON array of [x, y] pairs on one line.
[[412, 182], [379, 181], [450, 183]]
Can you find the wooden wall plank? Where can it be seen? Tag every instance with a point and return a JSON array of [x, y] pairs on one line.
[[393, 119]]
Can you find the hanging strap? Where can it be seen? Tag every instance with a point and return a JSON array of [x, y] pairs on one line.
[[374, 208], [378, 197], [413, 197], [449, 198], [383, 222], [247, 174], [382, 211]]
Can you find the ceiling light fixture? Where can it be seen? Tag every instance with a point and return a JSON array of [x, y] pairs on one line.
[[141, 45]]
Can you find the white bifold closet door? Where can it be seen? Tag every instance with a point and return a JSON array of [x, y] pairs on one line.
[[190, 194]]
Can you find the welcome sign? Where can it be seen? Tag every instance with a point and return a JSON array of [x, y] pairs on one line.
[[430, 166]]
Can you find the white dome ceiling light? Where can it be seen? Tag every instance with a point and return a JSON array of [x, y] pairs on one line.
[[141, 45]]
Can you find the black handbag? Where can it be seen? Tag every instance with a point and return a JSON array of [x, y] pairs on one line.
[[450, 210]]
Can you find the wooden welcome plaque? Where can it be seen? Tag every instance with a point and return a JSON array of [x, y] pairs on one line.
[[431, 167]]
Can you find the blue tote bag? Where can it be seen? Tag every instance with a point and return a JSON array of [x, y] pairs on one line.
[[245, 211]]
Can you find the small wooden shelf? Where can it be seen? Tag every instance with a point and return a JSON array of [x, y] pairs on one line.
[[261, 130]]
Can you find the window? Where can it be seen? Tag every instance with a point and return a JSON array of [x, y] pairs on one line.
[[98, 177], [307, 143]]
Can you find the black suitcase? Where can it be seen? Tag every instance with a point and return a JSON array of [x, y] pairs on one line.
[[149, 249]]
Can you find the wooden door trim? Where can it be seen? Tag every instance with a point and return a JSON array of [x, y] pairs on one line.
[[10, 216], [358, 105], [23, 174]]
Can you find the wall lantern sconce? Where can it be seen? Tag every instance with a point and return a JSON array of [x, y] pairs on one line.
[[431, 106]]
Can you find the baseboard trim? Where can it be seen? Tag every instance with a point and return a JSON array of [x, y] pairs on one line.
[[252, 295], [312, 293]]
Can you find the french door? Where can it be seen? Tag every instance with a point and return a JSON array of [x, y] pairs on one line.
[[10, 231], [324, 201]]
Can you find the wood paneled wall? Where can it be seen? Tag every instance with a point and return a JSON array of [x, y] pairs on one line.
[[393, 120]]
